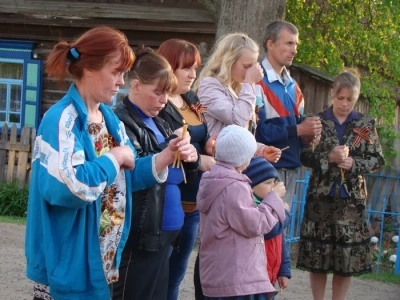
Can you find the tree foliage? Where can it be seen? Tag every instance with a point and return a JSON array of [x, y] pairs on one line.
[[362, 34]]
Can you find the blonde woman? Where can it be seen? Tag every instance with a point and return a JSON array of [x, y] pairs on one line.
[[226, 87]]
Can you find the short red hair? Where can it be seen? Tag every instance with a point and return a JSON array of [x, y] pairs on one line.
[[180, 53]]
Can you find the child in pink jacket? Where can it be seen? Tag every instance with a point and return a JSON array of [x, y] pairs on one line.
[[232, 254]]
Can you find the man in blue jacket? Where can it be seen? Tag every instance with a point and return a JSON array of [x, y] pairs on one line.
[[281, 105]]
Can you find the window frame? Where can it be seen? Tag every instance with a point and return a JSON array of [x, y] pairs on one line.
[[14, 50], [9, 82]]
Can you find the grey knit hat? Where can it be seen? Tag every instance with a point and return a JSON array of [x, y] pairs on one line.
[[235, 145]]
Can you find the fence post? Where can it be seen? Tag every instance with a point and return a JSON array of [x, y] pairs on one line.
[[381, 235], [3, 152], [11, 154], [23, 156], [397, 265], [29, 167], [304, 193]]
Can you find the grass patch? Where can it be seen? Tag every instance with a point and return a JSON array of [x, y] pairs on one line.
[[13, 199], [14, 220], [382, 277]]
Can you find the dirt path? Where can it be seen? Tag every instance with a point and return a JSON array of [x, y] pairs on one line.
[[15, 286]]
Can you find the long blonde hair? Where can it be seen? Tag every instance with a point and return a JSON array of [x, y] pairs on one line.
[[225, 53]]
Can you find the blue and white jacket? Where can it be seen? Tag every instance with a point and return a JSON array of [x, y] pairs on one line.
[[62, 231], [281, 104]]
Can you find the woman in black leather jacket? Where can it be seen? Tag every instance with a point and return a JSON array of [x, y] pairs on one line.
[[157, 212], [183, 104]]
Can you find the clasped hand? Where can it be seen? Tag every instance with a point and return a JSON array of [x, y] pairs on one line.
[[340, 155], [187, 151], [280, 189], [311, 126], [124, 156]]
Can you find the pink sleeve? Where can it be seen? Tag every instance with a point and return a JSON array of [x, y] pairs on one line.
[[274, 204], [243, 215], [220, 105]]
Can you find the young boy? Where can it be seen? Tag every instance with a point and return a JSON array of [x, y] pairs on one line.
[[263, 178]]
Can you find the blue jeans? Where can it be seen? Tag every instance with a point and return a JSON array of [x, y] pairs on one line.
[[180, 257]]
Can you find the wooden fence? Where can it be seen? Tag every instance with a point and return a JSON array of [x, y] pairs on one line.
[[15, 153]]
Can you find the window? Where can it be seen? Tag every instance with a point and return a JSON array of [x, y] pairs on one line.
[[20, 84], [11, 82]]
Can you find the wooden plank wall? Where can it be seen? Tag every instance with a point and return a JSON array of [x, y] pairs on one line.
[[15, 152], [147, 22], [316, 92]]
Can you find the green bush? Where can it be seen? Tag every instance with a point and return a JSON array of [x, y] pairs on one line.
[[13, 199]]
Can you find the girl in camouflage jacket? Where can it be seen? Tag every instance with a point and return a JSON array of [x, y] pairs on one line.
[[334, 236]]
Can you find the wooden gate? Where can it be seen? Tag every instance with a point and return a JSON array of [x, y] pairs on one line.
[[15, 154]]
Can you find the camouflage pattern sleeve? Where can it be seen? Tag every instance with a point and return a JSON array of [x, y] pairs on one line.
[[371, 159], [315, 159]]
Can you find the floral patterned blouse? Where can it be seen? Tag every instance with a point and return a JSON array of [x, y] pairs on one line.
[[113, 203]]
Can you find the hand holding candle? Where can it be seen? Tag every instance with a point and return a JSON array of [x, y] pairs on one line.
[[315, 141], [272, 154], [340, 155], [177, 162]]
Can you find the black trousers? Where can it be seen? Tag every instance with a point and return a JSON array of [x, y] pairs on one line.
[[143, 275], [198, 292]]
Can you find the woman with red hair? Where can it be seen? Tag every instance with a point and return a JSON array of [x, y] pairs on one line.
[[184, 106], [84, 170]]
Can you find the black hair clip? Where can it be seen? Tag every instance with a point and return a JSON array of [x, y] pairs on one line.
[[73, 55], [136, 64]]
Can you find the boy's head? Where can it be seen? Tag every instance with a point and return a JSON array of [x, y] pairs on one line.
[[262, 175], [235, 146]]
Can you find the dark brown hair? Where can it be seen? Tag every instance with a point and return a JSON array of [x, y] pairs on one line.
[[180, 53], [150, 68], [92, 50]]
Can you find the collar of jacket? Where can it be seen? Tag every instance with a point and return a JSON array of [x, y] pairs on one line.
[[109, 117], [174, 118], [160, 123], [190, 98]]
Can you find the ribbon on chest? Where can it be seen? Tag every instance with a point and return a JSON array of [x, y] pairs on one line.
[[199, 110], [361, 133]]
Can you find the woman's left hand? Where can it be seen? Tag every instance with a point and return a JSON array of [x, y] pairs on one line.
[[188, 153], [206, 162], [347, 164]]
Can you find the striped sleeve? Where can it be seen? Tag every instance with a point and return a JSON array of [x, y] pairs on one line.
[[68, 178]]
